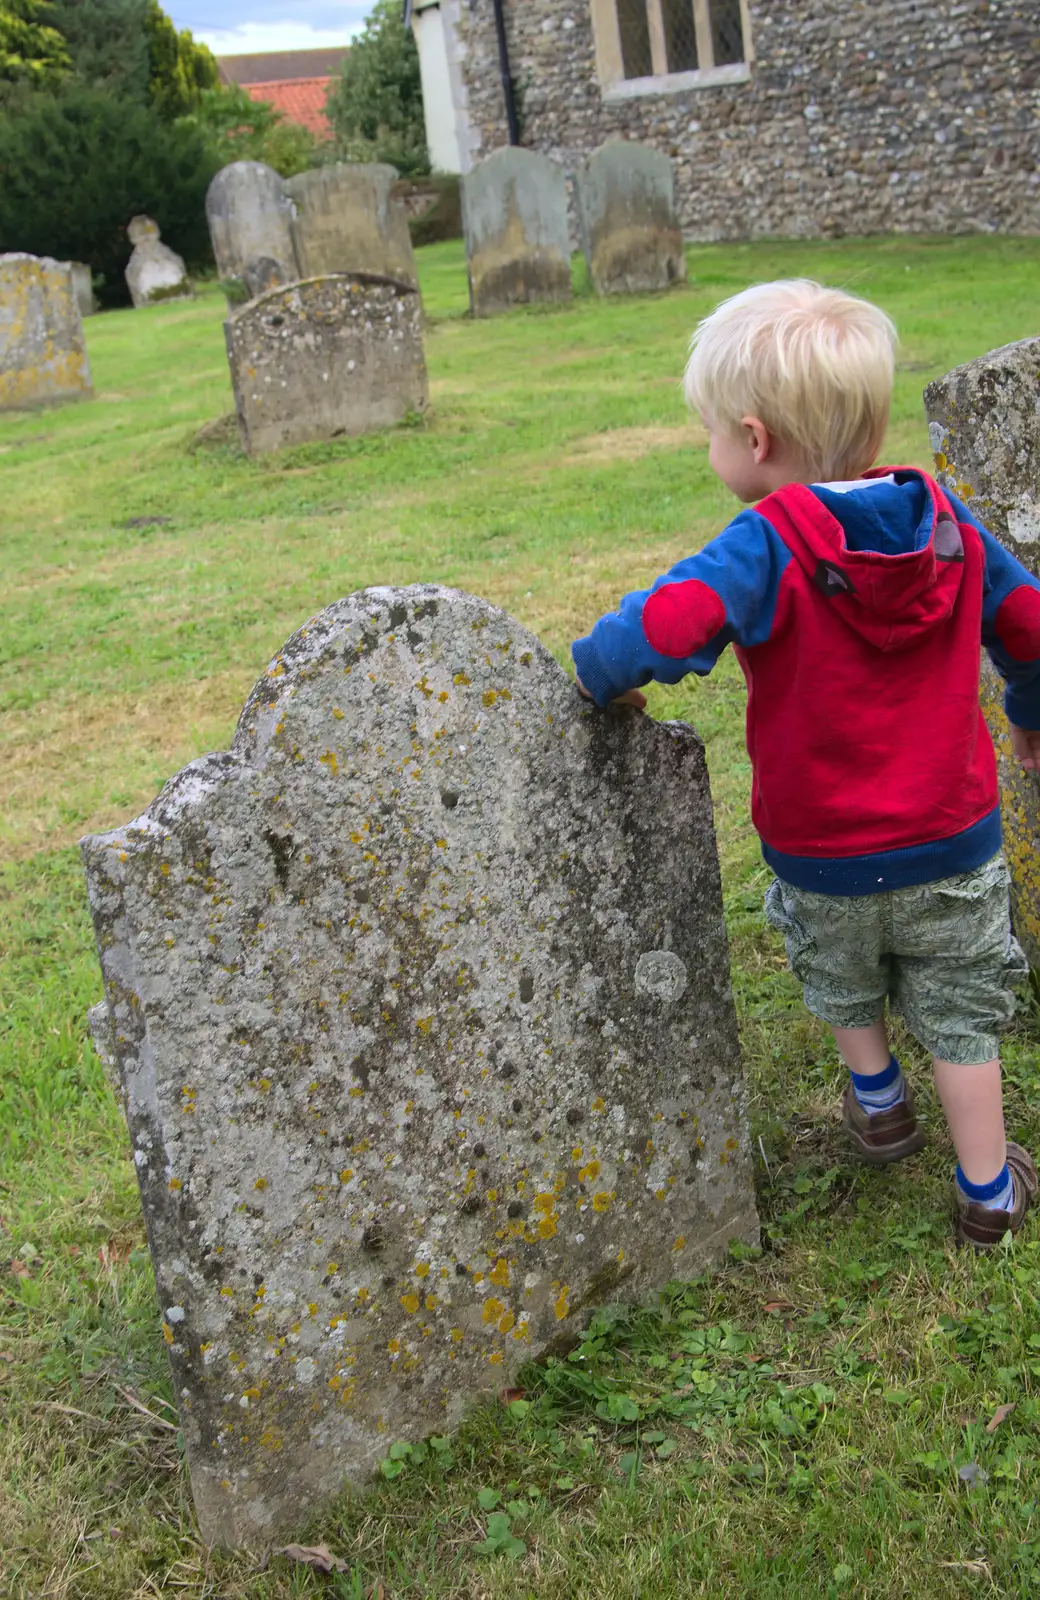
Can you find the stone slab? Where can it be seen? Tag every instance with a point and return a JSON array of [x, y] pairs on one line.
[[420, 999], [984, 423], [514, 212], [43, 356], [630, 228], [154, 272], [348, 220], [83, 288], [324, 358], [250, 221]]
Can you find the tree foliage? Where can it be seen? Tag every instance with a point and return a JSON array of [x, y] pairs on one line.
[[107, 42], [32, 52], [239, 128], [375, 106], [76, 166], [179, 70]]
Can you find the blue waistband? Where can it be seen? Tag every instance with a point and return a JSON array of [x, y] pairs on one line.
[[891, 869]]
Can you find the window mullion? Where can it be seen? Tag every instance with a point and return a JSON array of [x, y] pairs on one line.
[[702, 28], [658, 46]]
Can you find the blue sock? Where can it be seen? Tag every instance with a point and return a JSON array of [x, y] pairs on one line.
[[880, 1091], [999, 1195]]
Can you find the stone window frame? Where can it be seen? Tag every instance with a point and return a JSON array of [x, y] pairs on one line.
[[616, 87]]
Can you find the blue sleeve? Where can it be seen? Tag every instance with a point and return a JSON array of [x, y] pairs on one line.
[[1003, 574], [732, 586]]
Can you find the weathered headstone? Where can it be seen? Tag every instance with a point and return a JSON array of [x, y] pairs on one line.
[[154, 272], [326, 357], [250, 221], [83, 288], [43, 357], [984, 422], [626, 201], [514, 211], [348, 220], [420, 998]]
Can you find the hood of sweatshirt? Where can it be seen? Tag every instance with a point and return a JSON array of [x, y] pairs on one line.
[[886, 550]]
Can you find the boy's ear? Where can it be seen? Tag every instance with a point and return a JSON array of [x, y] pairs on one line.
[[758, 439]]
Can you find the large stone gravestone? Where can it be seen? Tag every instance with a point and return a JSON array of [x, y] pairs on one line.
[[326, 357], [626, 201], [420, 998], [43, 357], [348, 220], [154, 271], [514, 211], [250, 225], [984, 421]]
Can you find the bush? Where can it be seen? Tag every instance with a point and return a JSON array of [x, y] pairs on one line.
[[74, 168], [375, 106], [238, 128]]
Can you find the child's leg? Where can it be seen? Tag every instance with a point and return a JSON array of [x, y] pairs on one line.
[[973, 1102], [865, 1051]]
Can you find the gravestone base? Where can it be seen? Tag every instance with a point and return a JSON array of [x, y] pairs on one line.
[[420, 999]]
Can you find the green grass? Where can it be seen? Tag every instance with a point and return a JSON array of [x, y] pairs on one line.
[[791, 1425]]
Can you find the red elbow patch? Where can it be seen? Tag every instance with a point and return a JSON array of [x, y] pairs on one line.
[[1018, 624], [680, 618]]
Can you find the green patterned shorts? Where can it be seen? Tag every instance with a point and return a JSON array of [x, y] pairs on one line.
[[942, 954]]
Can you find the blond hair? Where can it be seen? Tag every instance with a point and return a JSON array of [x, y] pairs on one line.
[[815, 365]]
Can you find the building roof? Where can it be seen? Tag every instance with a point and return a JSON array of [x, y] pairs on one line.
[[299, 100], [281, 66]]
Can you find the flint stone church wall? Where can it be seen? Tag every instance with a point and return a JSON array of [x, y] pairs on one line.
[[891, 117]]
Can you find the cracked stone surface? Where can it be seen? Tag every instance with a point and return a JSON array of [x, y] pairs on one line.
[[420, 999]]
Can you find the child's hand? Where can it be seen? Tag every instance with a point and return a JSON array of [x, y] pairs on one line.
[[1025, 743], [633, 697]]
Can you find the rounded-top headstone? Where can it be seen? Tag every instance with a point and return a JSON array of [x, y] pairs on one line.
[[420, 998], [626, 201], [250, 218], [349, 220], [514, 212]]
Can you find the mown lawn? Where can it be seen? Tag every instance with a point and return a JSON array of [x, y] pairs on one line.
[[828, 1417]]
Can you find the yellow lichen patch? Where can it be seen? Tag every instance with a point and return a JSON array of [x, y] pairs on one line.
[[493, 1309], [175, 1184], [431, 1302], [561, 1305], [410, 1303], [680, 1243], [261, 1184], [544, 1202], [167, 1333], [499, 1273], [393, 1345], [495, 1358], [599, 1104], [506, 1322], [461, 679], [546, 1227], [424, 1024], [602, 1199], [329, 760], [589, 1172], [346, 1175], [422, 1269]]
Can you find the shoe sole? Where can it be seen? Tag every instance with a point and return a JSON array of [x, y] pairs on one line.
[[884, 1155]]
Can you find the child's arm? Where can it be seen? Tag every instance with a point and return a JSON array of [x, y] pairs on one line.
[[726, 592], [1011, 634]]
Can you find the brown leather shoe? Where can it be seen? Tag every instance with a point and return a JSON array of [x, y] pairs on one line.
[[983, 1228], [882, 1136]]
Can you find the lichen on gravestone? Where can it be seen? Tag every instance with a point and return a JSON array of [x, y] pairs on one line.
[[984, 425], [420, 1000]]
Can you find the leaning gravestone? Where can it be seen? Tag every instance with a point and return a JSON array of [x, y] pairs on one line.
[[420, 998], [154, 272], [324, 358], [514, 211], [250, 221], [43, 357], [984, 422], [348, 220], [626, 201]]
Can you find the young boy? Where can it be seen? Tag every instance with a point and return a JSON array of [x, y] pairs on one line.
[[857, 601]]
